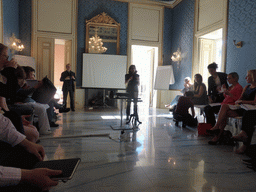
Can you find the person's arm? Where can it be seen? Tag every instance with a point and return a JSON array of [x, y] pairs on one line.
[[240, 99], [63, 76], [127, 78], [9, 176], [235, 93], [73, 76], [193, 111], [3, 104]]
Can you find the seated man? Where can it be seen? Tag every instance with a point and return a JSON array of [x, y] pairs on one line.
[[20, 108], [16, 151], [180, 112], [30, 75]]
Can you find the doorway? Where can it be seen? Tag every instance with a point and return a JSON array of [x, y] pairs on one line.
[[62, 56], [145, 59], [210, 50]]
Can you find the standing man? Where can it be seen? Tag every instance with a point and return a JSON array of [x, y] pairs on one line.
[[68, 77]]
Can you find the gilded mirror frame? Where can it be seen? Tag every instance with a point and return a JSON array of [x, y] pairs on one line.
[[107, 28]]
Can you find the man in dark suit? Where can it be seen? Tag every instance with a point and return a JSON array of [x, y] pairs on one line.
[[68, 77]]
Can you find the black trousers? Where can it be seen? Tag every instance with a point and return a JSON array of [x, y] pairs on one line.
[[17, 157], [187, 119], [71, 95], [209, 114], [248, 123]]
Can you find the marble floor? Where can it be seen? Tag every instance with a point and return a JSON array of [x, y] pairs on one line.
[[158, 157]]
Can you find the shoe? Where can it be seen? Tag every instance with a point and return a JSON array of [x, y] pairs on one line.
[[64, 110], [248, 160], [240, 137], [213, 132], [214, 142], [52, 124], [184, 125], [72, 109], [46, 133]]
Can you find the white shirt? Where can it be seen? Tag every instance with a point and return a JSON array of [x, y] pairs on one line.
[[8, 133]]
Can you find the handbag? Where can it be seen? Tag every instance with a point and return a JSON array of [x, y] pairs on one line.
[[202, 127], [45, 93]]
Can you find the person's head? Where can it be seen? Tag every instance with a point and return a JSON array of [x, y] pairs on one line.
[[212, 68], [20, 75], [232, 78], [132, 69], [198, 78], [187, 80], [30, 72], [3, 55], [251, 76], [189, 94], [68, 67]]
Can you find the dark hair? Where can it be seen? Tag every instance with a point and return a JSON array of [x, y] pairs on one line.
[[212, 66], [20, 73], [130, 69], [234, 75], [2, 48], [27, 70], [189, 94], [199, 76]]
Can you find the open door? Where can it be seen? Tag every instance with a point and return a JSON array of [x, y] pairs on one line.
[[45, 58]]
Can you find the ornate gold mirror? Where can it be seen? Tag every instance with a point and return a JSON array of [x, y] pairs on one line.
[[102, 35]]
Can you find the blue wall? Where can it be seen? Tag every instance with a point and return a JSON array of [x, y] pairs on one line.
[[87, 9], [241, 27], [182, 37], [167, 36], [10, 20], [25, 15]]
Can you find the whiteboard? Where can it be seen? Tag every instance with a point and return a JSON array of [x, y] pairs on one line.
[[164, 77], [25, 61], [104, 71]]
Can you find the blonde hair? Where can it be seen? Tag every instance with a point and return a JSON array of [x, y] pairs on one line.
[[252, 72]]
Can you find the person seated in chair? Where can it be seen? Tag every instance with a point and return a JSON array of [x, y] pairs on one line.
[[187, 87], [181, 112]]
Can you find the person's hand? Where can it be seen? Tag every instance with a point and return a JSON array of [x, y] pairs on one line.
[[130, 78], [73, 77], [39, 84], [40, 177], [210, 100], [67, 78], [25, 121], [11, 63], [34, 148], [238, 102]]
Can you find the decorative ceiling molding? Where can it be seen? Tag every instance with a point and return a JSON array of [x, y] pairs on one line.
[[167, 4]]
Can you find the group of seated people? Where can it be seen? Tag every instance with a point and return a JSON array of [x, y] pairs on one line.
[[220, 99], [19, 151]]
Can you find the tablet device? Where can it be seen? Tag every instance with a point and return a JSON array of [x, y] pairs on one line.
[[68, 167]]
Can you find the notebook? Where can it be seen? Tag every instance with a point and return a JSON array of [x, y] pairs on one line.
[[68, 167]]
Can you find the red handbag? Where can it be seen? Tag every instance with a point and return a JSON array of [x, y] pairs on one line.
[[202, 127]]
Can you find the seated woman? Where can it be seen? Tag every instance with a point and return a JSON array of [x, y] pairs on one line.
[[215, 82], [248, 97], [187, 87], [200, 94], [231, 94], [180, 112]]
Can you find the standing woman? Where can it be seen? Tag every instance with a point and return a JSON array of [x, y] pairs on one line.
[[216, 82], [132, 81]]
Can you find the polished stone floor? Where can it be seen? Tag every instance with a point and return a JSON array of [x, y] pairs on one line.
[[158, 157]]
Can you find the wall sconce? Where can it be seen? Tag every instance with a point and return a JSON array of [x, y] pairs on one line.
[[239, 44], [15, 44], [176, 57]]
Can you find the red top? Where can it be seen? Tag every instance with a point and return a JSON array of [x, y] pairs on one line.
[[184, 103], [236, 94]]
